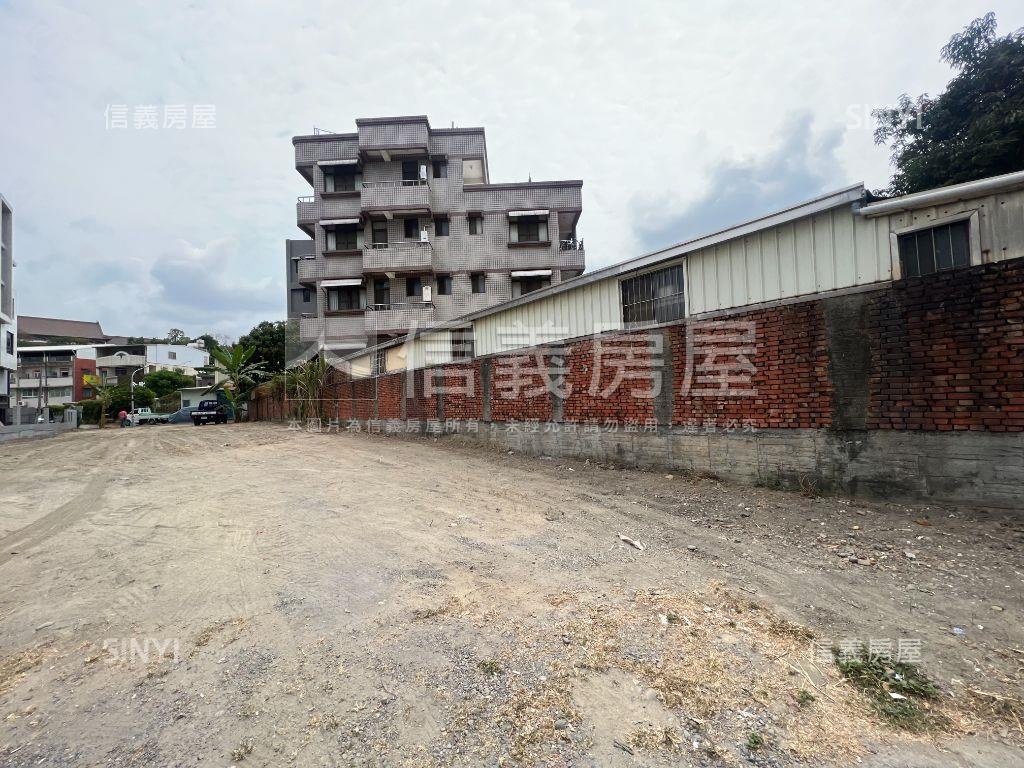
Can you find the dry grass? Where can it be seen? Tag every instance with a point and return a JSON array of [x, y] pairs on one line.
[[14, 668]]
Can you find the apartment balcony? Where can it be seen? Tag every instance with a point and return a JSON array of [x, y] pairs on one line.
[[571, 254], [404, 196], [307, 213], [323, 146], [121, 361], [398, 318], [343, 264], [409, 256], [348, 326], [49, 381], [385, 138]]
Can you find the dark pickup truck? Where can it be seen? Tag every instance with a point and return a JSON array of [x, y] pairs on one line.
[[210, 411]]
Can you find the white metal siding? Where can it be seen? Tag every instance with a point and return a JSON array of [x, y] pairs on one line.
[[580, 312], [1000, 221], [824, 252]]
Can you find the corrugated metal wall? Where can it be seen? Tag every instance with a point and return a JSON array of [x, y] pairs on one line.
[[580, 312], [830, 250], [1000, 221]]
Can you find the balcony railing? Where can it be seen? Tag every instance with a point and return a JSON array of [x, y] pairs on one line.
[[311, 270], [385, 257], [405, 194], [570, 244], [331, 328], [307, 209], [390, 318]]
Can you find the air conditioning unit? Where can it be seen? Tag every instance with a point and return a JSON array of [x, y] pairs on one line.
[[426, 294], [424, 235]]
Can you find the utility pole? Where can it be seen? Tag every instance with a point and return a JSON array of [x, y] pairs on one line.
[[131, 383]]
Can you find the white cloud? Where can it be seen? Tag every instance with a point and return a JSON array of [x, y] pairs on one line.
[[643, 102]]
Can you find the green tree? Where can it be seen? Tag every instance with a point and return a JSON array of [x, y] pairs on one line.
[[974, 129], [121, 398], [209, 341], [243, 375], [267, 339], [163, 383], [177, 336]]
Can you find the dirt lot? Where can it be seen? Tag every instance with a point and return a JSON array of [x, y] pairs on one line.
[[257, 596]]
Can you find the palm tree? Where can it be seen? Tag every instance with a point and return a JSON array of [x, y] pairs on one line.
[[242, 376]]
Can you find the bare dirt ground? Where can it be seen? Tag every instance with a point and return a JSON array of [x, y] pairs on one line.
[[245, 594]]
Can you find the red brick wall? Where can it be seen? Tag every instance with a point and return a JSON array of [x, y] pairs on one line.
[[948, 351], [463, 395], [788, 381], [364, 396], [420, 405], [615, 382], [519, 389], [389, 396]]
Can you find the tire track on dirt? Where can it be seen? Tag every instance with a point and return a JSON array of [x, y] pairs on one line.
[[50, 524]]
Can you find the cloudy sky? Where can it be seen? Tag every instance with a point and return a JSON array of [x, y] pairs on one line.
[[679, 117]]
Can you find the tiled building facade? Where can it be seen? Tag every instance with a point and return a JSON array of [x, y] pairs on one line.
[[409, 231]]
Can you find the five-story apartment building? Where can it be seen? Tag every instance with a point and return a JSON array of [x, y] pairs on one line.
[[410, 231]]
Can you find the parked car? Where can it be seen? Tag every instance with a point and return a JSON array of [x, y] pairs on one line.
[[140, 416], [182, 415], [210, 411]]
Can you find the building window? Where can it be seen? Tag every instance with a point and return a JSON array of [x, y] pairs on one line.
[[442, 226], [305, 296], [440, 169], [462, 344], [928, 251], [382, 292], [444, 285], [380, 362], [172, 355], [528, 229], [342, 298], [342, 238], [339, 178], [412, 228], [656, 297], [380, 234], [413, 286], [120, 371], [476, 224], [410, 170], [479, 281], [531, 284], [10, 343]]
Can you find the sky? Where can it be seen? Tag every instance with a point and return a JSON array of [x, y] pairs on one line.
[[681, 118]]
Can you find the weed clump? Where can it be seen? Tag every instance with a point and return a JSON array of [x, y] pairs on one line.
[[898, 691]]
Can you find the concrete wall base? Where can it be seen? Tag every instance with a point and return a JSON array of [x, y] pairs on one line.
[[33, 431], [963, 467]]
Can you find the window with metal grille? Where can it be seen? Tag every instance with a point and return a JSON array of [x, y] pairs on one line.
[[344, 238], [656, 297], [339, 178], [462, 344], [927, 251], [380, 362]]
